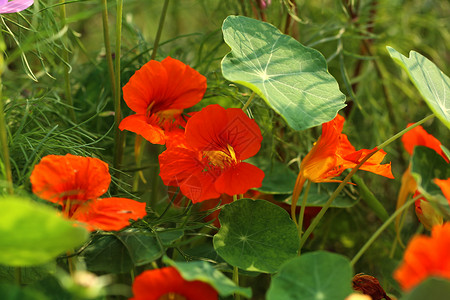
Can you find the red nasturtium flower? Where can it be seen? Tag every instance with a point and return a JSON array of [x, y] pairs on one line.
[[425, 257], [167, 283], [158, 92], [424, 211], [332, 154], [209, 161], [76, 183]]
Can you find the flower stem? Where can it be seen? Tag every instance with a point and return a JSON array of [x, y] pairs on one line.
[[381, 229], [300, 181], [353, 171], [107, 43], [160, 27], [65, 55], [236, 281], [250, 99], [302, 212], [118, 136]]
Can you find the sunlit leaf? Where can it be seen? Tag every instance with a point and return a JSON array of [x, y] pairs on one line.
[[256, 235], [33, 233], [316, 275], [204, 271], [291, 78], [432, 83]]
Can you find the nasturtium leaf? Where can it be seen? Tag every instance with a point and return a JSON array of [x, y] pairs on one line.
[[431, 82], [34, 233], [142, 246], [291, 78], [256, 235], [431, 288], [315, 275], [427, 165], [204, 271], [15, 292]]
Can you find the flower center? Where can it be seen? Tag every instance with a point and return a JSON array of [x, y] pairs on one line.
[[172, 296], [162, 116], [221, 158]]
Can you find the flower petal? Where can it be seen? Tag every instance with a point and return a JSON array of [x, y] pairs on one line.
[[109, 214], [15, 6], [138, 124], [154, 284], [239, 179], [57, 178], [419, 137]]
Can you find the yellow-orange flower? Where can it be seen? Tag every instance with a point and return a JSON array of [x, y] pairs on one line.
[[425, 257]]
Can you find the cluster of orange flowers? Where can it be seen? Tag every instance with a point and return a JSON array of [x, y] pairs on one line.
[[204, 157]]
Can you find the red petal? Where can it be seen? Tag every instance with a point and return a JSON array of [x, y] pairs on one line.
[[57, 178], [154, 284], [239, 179], [138, 124], [419, 137], [110, 214]]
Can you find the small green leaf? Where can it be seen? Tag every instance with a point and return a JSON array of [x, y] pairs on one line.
[[427, 165], [256, 235], [431, 82], [33, 233], [316, 275], [431, 288], [203, 271], [291, 78]]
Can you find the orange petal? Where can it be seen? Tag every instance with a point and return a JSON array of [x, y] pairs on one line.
[[419, 137], [109, 214], [139, 124], [57, 178], [239, 179]]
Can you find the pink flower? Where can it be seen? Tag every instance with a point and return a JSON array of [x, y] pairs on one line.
[[14, 6]]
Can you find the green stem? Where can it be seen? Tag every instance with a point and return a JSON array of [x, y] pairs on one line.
[[118, 136], [65, 55], [302, 212], [381, 229], [160, 27], [333, 196], [235, 198], [107, 43], [369, 198], [247, 104], [236, 281]]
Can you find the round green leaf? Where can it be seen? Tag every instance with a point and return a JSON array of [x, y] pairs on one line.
[[431, 82], [291, 78], [256, 235], [316, 275], [204, 271], [432, 288], [33, 233]]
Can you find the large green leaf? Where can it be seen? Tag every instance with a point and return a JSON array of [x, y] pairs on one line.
[[33, 233], [432, 288], [427, 165], [316, 275], [291, 78], [431, 82], [204, 271], [256, 235]]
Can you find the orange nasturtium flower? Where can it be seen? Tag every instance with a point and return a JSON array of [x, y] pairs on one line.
[[209, 161], [158, 92], [424, 211], [167, 283], [425, 257], [76, 183], [332, 154]]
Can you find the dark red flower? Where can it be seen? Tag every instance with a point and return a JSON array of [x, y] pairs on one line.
[[76, 183], [158, 92], [209, 161], [167, 283]]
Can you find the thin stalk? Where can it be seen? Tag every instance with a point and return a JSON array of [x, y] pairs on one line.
[[118, 136], [236, 281], [300, 181], [247, 104], [65, 55], [160, 27], [107, 43], [302, 212], [235, 198], [381, 229], [333, 196]]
